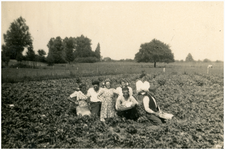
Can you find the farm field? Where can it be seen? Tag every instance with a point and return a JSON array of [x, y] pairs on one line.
[[42, 117], [59, 71]]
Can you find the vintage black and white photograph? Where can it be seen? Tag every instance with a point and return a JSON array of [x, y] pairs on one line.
[[112, 75]]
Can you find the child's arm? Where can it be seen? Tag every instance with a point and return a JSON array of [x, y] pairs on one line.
[[72, 96], [101, 92], [116, 92]]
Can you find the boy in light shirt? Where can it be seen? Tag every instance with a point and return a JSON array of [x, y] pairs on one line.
[[95, 103]]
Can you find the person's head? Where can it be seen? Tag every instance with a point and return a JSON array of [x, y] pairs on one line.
[[82, 88], [108, 83], [123, 82], [125, 92], [95, 85], [143, 77]]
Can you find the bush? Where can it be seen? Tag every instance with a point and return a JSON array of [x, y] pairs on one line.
[[9, 80], [206, 60], [219, 61], [161, 82], [41, 59], [19, 65], [86, 60], [50, 60]]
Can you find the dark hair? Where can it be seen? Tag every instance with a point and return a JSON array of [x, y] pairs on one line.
[[82, 85], [125, 89], [107, 80], [123, 80], [95, 82], [142, 75]]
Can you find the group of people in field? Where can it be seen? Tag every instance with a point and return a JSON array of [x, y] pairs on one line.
[[100, 101]]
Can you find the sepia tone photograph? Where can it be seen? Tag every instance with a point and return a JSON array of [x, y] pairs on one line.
[[112, 75]]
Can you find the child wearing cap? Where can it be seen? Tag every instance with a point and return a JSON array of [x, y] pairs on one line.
[[95, 102]]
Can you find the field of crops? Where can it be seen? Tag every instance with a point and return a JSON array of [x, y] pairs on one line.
[[59, 71], [42, 117]]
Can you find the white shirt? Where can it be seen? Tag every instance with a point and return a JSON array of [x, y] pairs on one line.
[[80, 98], [79, 95], [121, 102], [93, 95], [119, 91], [142, 86]]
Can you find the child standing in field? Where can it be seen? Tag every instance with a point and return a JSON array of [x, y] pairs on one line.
[[108, 104], [81, 99], [95, 102]]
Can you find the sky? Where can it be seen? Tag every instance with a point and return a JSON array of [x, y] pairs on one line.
[[121, 27]]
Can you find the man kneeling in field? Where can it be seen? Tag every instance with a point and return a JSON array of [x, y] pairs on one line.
[[126, 105]]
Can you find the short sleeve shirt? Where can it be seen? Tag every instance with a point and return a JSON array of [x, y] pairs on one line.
[[142, 85], [94, 95]]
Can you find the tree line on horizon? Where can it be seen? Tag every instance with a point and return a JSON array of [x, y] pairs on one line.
[[71, 49], [65, 50], [190, 58], [74, 49]]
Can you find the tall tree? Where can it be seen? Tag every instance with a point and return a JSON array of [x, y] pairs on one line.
[[5, 56], [19, 57], [206, 60], [17, 38], [97, 52], [41, 52], [55, 46], [83, 47], [189, 58], [41, 56], [30, 55], [154, 51], [68, 44], [50, 59]]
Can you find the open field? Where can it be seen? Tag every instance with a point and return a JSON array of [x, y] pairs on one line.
[[104, 68], [42, 117]]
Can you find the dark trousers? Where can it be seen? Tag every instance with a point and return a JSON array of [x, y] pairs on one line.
[[129, 114], [95, 108], [155, 120]]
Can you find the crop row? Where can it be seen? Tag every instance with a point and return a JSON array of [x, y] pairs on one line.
[[42, 117]]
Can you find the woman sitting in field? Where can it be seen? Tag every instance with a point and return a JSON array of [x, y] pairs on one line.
[[124, 84], [107, 95], [80, 100]]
